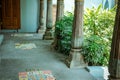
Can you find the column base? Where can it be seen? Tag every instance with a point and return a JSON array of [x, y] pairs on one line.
[[48, 35], [75, 59], [41, 31], [54, 44]]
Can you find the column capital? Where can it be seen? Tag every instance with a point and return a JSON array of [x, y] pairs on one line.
[[49, 0], [60, 0], [79, 0], [41, 1]]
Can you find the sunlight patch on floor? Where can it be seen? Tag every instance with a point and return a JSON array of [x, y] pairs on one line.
[[25, 46], [21, 35], [28, 35]]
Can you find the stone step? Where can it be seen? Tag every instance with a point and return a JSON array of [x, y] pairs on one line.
[[99, 72], [1, 38]]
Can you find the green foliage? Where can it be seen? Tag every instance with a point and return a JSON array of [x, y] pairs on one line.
[[64, 32], [98, 28], [94, 51], [98, 22]]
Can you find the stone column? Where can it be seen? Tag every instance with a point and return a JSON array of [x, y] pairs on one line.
[[49, 22], [75, 59], [114, 62], [60, 9], [42, 26], [59, 15], [116, 1]]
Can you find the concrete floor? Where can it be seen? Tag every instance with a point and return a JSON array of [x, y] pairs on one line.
[[43, 57]]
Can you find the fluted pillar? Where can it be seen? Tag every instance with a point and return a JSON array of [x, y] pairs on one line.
[[42, 26], [49, 22], [114, 62], [59, 15], [75, 59]]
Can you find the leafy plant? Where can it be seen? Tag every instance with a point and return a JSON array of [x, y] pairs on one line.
[[64, 32], [98, 29], [94, 50]]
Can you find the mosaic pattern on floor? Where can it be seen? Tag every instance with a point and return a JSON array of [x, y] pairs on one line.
[[36, 75]]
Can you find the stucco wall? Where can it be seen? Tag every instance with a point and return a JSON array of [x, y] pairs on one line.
[[29, 15]]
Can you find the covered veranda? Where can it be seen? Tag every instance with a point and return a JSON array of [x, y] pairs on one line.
[[44, 57]]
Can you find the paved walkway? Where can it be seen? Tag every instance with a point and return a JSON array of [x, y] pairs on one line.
[[14, 59]]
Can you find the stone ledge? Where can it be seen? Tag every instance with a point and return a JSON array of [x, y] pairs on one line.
[[98, 72]]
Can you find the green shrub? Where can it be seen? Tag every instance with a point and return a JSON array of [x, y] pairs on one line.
[[94, 51], [98, 28], [64, 32]]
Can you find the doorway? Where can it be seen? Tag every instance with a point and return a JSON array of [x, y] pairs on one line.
[[10, 14]]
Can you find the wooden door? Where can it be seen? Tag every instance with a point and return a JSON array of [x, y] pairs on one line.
[[10, 14]]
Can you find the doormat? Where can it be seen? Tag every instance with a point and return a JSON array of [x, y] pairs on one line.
[[25, 46], [36, 75]]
